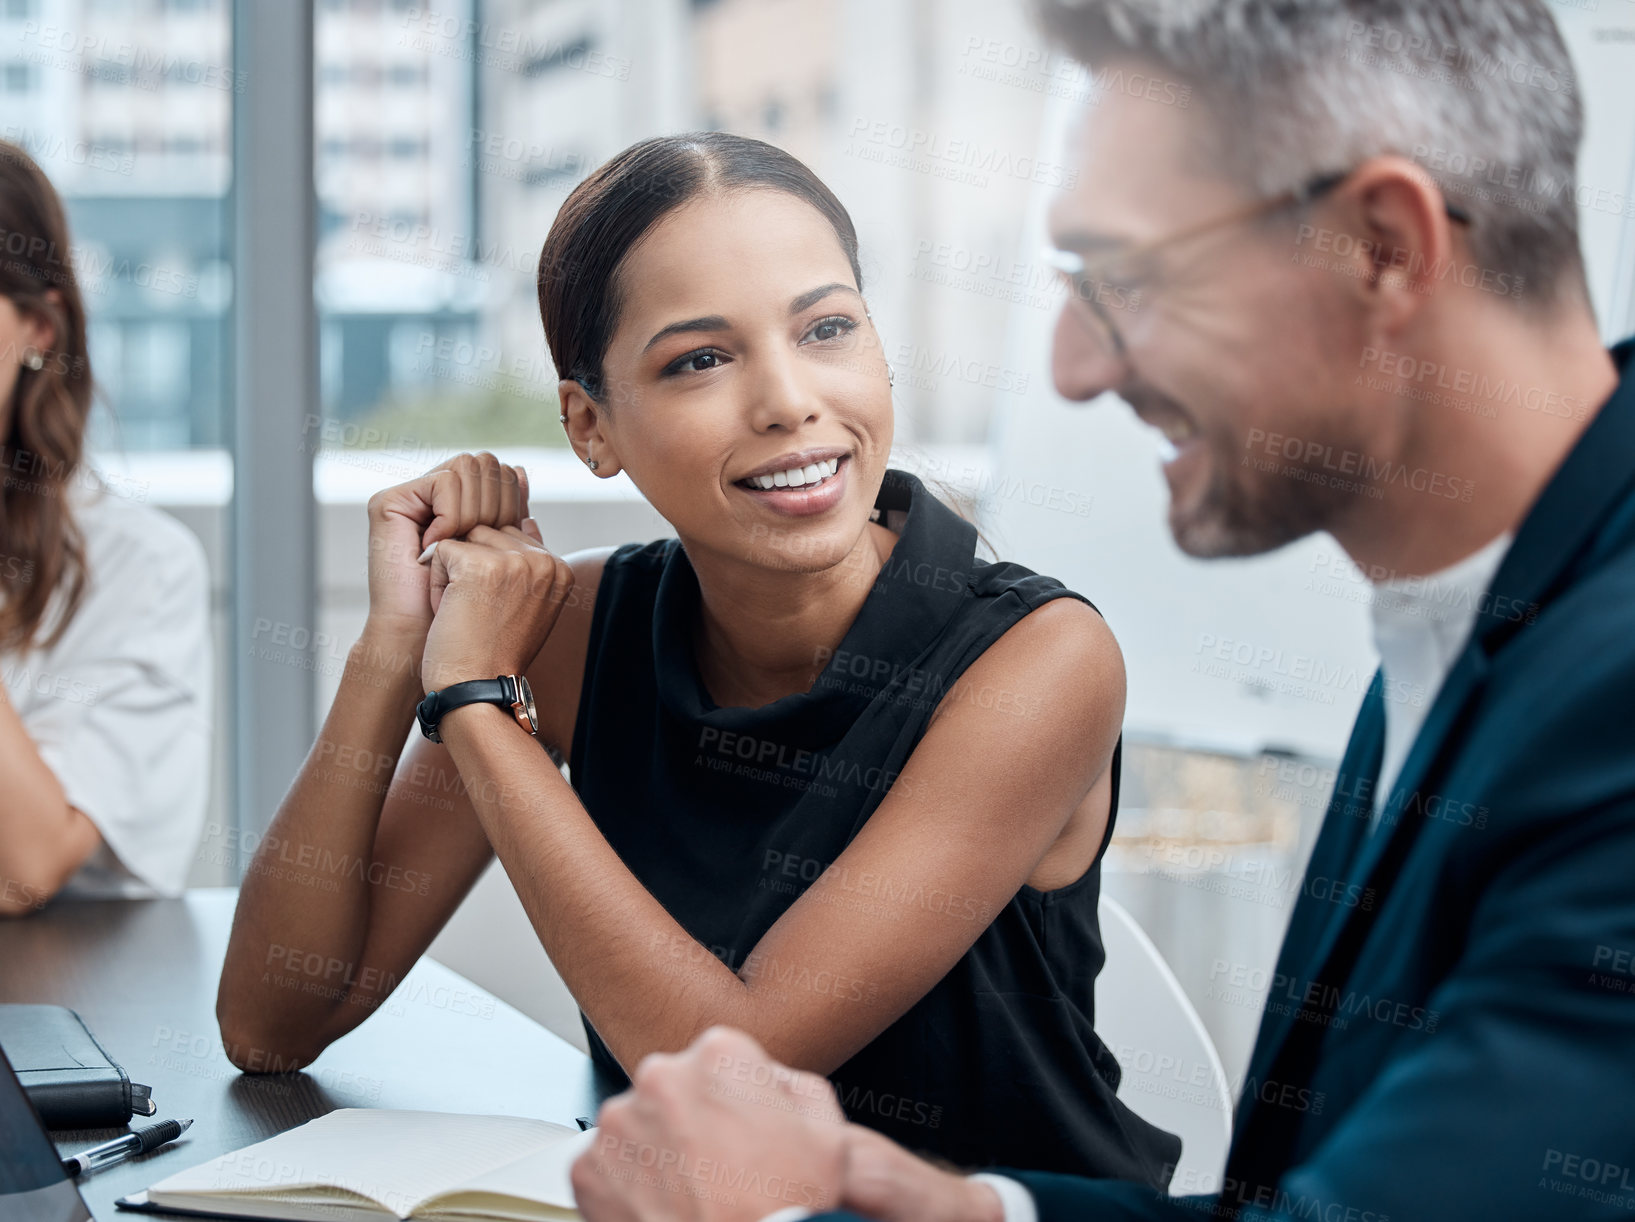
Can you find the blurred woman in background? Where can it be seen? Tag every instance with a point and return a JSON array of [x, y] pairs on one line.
[[104, 628]]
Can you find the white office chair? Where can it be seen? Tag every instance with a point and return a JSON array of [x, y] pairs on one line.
[[1172, 1075]]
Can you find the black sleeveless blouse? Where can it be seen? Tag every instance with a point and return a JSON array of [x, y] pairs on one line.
[[727, 815]]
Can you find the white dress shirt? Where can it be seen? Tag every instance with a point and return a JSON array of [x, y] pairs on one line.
[[1420, 626], [120, 707]]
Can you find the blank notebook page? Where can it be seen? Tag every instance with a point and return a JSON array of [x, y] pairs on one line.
[[540, 1176], [395, 1158]]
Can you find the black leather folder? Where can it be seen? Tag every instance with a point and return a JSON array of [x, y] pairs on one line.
[[71, 1081]]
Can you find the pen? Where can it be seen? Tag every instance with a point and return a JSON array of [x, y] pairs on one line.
[[137, 1141]]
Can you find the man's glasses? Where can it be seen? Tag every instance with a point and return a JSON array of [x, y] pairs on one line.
[[1090, 285]]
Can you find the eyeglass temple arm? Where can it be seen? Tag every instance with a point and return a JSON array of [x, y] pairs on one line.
[[1324, 183]]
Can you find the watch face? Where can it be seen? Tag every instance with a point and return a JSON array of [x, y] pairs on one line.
[[527, 694]]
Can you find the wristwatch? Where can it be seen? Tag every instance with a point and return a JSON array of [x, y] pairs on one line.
[[508, 691]]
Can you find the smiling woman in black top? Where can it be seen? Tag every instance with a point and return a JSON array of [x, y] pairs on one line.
[[834, 780]]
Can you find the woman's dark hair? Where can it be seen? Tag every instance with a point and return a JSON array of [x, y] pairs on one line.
[[606, 215], [44, 437]]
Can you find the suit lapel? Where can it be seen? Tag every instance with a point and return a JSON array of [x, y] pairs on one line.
[[1344, 824], [1380, 856]]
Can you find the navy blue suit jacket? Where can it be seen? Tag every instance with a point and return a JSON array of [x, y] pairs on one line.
[[1461, 1043]]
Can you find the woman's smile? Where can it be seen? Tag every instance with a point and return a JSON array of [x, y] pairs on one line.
[[799, 485]]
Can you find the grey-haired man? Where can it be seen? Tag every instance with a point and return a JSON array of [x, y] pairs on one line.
[[1363, 311]]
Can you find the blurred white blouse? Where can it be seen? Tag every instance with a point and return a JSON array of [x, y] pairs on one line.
[[120, 706]]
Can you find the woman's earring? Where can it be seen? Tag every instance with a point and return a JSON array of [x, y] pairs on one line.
[[34, 358], [891, 376], [592, 463], [562, 419]]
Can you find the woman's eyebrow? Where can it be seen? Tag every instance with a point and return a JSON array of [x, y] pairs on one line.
[[812, 296], [716, 322], [710, 322]]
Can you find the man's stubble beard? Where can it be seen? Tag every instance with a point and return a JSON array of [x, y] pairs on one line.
[[1246, 512]]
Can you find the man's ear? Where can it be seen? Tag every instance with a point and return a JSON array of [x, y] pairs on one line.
[[1406, 250], [584, 426]]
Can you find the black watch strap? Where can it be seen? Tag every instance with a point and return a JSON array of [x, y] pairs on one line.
[[475, 691]]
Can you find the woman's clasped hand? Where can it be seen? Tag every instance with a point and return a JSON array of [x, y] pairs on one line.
[[459, 572]]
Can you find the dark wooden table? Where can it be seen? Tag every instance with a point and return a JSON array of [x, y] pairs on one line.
[[142, 974]]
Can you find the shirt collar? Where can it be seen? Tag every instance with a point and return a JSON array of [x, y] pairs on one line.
[[1421, 623]]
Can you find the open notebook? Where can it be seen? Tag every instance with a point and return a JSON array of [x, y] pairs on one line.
[[364, 1164]]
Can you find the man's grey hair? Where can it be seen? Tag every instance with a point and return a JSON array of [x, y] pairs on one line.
[[1480, 93]]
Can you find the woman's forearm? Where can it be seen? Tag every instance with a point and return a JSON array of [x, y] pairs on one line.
[[43, 840], [644, 982], [298, 897]]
